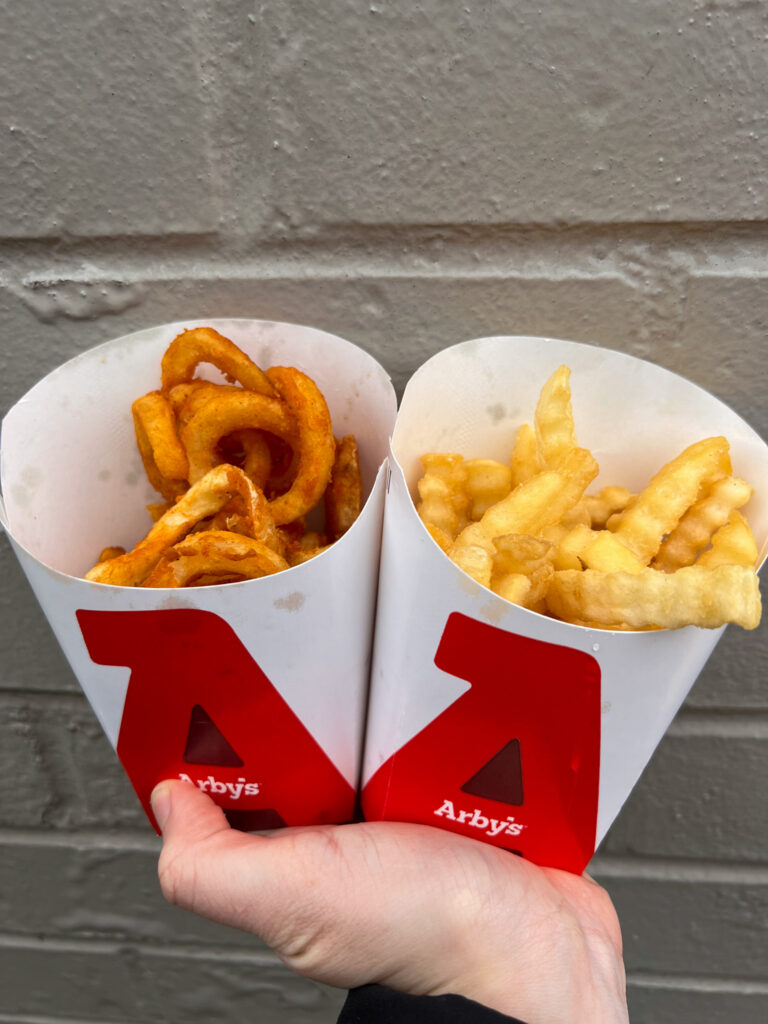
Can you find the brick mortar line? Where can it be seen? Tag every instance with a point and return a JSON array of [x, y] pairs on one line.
[[326, 232], [18, 693], [139, 946], [613, 867], [739, 724], [607, 866], [687, 721], [649, 980], [85, 841], [697, 983], [26, 1018], [378, 251], [333, 267]]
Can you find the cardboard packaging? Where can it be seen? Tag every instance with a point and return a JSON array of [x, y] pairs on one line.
[[485, 718], [254, 691]]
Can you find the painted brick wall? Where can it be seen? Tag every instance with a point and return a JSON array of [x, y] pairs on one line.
[[406, 175]]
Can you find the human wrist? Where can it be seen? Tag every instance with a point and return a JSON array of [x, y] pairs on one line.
[[543, 968]]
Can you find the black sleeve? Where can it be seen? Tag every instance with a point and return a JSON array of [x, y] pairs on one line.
[[374, 1004]]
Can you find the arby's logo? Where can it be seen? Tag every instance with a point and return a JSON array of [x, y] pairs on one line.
[[198, 707], [515, 760]]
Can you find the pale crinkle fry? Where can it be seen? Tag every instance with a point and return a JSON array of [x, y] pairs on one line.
[[540, 580], [443, 539], [613, 520], [488, 481], [524, 589], [555, 533], [521, 553], [691, 596], [577, 516], [553, 419], [605, 503], [694, 531], [569, 548], [513, 587], [476, 562], [525, 460], [532, 506], [522, 511], [444, 502], [608, 554], [659, 507], [732, 544]]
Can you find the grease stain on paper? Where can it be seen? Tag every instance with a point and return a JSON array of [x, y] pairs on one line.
[[292, 603], [493, 612], [24, 491]]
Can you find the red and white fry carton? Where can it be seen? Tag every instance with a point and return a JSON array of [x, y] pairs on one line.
[[497, 722], [255, 691]]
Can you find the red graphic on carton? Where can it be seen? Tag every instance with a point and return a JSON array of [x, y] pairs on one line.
[[514, 761], [198, 707]]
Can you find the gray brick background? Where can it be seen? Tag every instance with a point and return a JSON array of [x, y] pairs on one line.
[[406, 175]]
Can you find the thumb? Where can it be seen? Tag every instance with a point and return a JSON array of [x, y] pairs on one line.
[[284, 888], [275, 887], [184, 811], [197, 840]]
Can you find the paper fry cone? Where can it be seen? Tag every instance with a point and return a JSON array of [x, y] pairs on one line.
[[254, 691], [491, 720]]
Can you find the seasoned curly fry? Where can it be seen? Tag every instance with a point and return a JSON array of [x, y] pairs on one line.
[[223, 414], [211, 554], [343, 496], [205, 345], [161, 450], [315, 441], [240, 460], [204, 498], [111, 552]]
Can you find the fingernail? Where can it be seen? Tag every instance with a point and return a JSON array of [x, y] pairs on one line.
[[161, 803]]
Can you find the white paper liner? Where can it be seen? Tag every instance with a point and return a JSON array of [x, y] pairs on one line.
[[471, 399], [73, 483]]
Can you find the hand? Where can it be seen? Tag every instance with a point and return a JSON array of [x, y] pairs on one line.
[[415, 908]]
